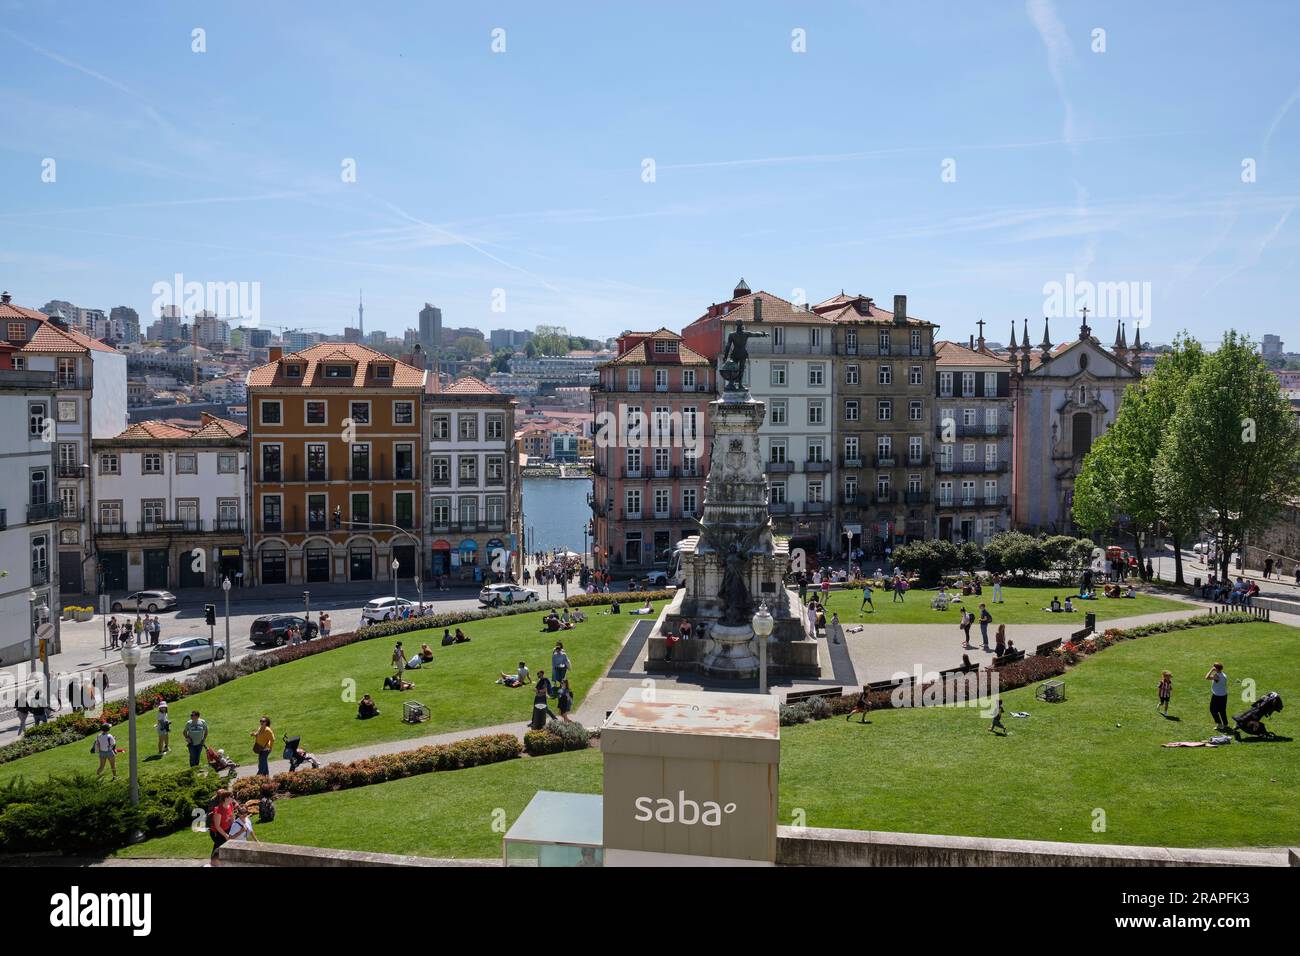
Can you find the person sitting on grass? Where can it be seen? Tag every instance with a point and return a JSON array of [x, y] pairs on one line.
[[1055, 606], [447, 639], [645, 609], [1069, 604], [460, 637], [550, 623], [426, 654], [613, 606], [1130, 593], [367, 708]]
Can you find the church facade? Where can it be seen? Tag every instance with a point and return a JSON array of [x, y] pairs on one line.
[[1065, 397]]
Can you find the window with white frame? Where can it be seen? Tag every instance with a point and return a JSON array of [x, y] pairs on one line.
[[990, 490], [632, 502], [968, 417], [885, 375], [690, 500], [968, 452], [882, 342], [915, 376], [688, 379], [633, 459], [991, 421], [778, 412], [467, 427], [151, 463], [816, 375], [945, 384], [776, 451], [991, 454], [916, 341], [778, 374], [816, 493], [816, 450], [850, 489], [271, 412], [851, 449], [663, 502], [851, 410], [915, 449], [403, 413], [634, 380], [914, 484], [968, 492], [814, 338], [661, 379], [991, 384], [967, 384], [776, 493], [850, 375], [496, 427], [109, 463], [816, 412], [915, 411], [945, 492], [884, 410], [187, 464]]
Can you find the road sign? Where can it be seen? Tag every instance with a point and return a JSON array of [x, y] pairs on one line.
[[45, 632], [103, 603]]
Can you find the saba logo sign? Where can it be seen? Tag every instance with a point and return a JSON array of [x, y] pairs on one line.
[[684, 811]]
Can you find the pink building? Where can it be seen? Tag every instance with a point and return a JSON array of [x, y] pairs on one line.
[[652, 436]]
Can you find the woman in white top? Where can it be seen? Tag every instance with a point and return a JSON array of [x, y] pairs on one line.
[[105, 746], [241, 830]]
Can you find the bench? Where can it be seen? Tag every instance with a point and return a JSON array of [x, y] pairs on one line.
[[828, 692], [957, 671], [1009, 658], [876, 687], [1046, 648]]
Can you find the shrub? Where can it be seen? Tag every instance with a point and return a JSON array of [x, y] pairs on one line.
[[472, 752], [819, 708], [1029, 670], [80, 814], [583, 599], [928, 559], [538, 743], [795, 714], [452, 619]]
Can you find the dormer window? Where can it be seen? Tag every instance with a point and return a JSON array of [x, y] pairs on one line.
[[293, 370], [338, 371], [665, 346], [383, 371]]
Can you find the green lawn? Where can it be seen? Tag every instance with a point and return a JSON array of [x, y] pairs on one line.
[[313, 698], [938, 770], [934, 770], [1021, 605], [457, 813]]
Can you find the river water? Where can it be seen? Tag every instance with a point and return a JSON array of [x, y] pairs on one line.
[[555, 513]]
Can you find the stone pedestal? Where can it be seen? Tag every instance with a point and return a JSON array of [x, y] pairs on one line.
[[735, 533]]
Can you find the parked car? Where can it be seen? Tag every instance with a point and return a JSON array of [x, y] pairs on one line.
[[494, 595], [378, 609], [273, 629], [151, 601], [184, 651]]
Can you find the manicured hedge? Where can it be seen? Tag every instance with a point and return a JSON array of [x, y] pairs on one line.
[[558, 736], [1071, 652], [637, 598], [79, 814], [472, 752]]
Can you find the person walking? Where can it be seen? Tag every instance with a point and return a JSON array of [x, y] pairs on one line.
[[196, 736], [834, 631], [220, 820], [997, 717], [967, 619], [1218, 695], [866, 599], [263, 741], [138, 629], [862, 706], [399, 658], [155, 632], [826, 589], [803, 586], [164, 725], [1268, 568], [105, 747], [985, 620], [559, 663], [565, 700], [324, 624], [997, 589], [1165, 689]]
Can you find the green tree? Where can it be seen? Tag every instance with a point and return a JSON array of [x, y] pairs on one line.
[[1233, 447], [930, 560], [501, 361], [530, 349], [1014, 553], [471, 346], [1117, 487], [551, 340]]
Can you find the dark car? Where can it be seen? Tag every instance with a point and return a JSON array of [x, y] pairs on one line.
[[274, 629]]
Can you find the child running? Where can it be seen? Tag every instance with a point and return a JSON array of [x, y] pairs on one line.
[[997, 717], [1166, 690]]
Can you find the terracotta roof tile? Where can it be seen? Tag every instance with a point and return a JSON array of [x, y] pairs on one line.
[[643, 354], [954, 353], [181, 429], [272, 374], [774, 309]]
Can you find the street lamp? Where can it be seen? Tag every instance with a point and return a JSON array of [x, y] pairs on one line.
[[763, 625], [396, 564], [131, 654], [225, 589]]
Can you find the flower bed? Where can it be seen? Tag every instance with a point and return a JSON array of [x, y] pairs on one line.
[[473, 752], [558, 736]]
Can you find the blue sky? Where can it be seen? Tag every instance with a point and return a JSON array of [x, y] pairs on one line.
[[522, 170]]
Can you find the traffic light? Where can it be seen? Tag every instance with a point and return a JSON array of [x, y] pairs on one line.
[[338, 517], [210, 614]]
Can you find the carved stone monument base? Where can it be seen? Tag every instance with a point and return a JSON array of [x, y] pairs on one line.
[[730, 652]]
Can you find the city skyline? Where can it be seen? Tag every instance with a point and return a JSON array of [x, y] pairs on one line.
[[970, 169]]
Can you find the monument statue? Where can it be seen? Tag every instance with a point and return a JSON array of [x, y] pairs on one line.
[[735, 356], [734, 592]]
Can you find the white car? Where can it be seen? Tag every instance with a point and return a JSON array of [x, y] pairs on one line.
[[494, 595], [151, 601], [379, 608]]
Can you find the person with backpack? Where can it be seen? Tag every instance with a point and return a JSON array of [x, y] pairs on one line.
[[985, 620], [105, 747], [220, 819]]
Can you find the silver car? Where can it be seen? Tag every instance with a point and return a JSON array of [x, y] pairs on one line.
[[184, 651], [151, 601]]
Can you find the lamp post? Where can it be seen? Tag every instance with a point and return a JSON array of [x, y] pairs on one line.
[[396, 564], [225, 589], [306, 604], [32, 624], [131, 654], [763, 625]]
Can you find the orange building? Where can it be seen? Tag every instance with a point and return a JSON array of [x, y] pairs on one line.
[[334, 466]]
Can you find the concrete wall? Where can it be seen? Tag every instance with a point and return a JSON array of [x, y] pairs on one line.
[[825, 847]]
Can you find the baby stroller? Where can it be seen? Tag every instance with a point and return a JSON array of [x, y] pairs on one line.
[[1252, 721], [218, 761], [296, 755]]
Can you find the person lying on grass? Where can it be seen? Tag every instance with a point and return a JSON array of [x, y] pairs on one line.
[[397, 683]]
